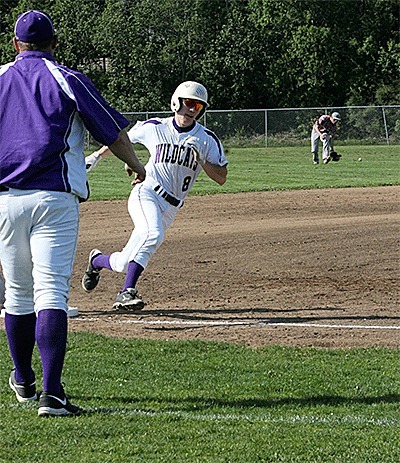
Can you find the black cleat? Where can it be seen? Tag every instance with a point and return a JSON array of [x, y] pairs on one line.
[[51, 405], [129, 299], [25, 392], [92, 275]]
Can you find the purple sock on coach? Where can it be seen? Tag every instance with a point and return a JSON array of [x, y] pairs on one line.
[[51, 338], [132, 275], [20, 331]]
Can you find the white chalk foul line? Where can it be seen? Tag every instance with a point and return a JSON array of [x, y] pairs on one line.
[[301, 419], [329, 419], [246, 323], [321, 325]]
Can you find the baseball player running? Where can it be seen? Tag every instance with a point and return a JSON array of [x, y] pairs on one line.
[[179, 148], [324, 129], [45, 109]]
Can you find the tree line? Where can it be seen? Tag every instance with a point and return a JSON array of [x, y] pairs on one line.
[[250, 54]]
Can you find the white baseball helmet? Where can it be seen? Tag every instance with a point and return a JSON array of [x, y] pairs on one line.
[[192, 90], [336, 116]]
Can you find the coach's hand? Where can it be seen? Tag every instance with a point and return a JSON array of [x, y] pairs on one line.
[[139, 177]]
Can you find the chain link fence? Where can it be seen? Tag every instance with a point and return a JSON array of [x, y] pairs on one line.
[[292, 126]]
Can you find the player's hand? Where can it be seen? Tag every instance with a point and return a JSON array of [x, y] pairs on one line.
[[198, 153], [128, 170], [199, 150], [92, 160]]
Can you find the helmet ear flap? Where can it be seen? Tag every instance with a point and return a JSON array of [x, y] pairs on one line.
[[176, 103]]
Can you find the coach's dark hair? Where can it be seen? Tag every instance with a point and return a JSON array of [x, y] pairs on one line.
[[41, 46]]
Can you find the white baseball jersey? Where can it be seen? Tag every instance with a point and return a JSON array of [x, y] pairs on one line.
[[170, 174], [172, 162]]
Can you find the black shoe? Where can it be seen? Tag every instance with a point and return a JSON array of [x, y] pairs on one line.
[[51, 405], [128, 299], [335, 156], [92, 275], [25, 392]]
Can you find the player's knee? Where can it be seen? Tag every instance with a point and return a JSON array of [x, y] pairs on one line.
[[119, 261], [155, 239]]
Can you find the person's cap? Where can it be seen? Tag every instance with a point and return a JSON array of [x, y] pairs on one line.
[[34, 26], [336, 116]]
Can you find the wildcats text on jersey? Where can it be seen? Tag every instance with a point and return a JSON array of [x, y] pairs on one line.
[[176, 154]]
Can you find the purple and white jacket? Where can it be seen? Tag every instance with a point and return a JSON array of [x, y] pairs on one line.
[[44, 110]]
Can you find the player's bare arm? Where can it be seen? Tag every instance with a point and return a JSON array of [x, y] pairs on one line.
[[97, 156], [123, 149], [215, 172]]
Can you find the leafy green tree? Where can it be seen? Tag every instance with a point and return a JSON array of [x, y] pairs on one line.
[[235, 65], [326, 51], [8, 14], [151, 46], [249, 53], [377, 54], [388, 86], [76, 24]]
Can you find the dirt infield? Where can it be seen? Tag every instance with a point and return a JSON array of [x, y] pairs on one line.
[[299, 268]]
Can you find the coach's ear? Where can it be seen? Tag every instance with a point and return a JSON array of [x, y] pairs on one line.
[[16, 44], [54, 43]]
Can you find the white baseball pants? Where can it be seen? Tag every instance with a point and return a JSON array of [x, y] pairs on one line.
[[315, 138], [151, 215], [38, 238]]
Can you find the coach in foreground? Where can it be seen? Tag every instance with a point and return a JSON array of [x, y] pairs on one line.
[[45, 109], [179, 149]]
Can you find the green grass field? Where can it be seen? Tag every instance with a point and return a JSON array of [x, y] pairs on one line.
[[259, 169], [153, 401], [194, 402]]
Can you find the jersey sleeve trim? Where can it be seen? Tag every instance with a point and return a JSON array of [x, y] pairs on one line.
[[212, 135]]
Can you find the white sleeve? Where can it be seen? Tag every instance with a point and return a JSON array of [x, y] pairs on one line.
[[136, 134]]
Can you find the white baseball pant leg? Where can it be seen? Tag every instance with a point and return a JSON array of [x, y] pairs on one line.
[[38, 238], [326, 145], [152, 216], [314, 142], [2, 292]]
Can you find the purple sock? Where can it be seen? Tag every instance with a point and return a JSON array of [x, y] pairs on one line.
[[101, 261], [132, 275], [20, 331], [51, 338]]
